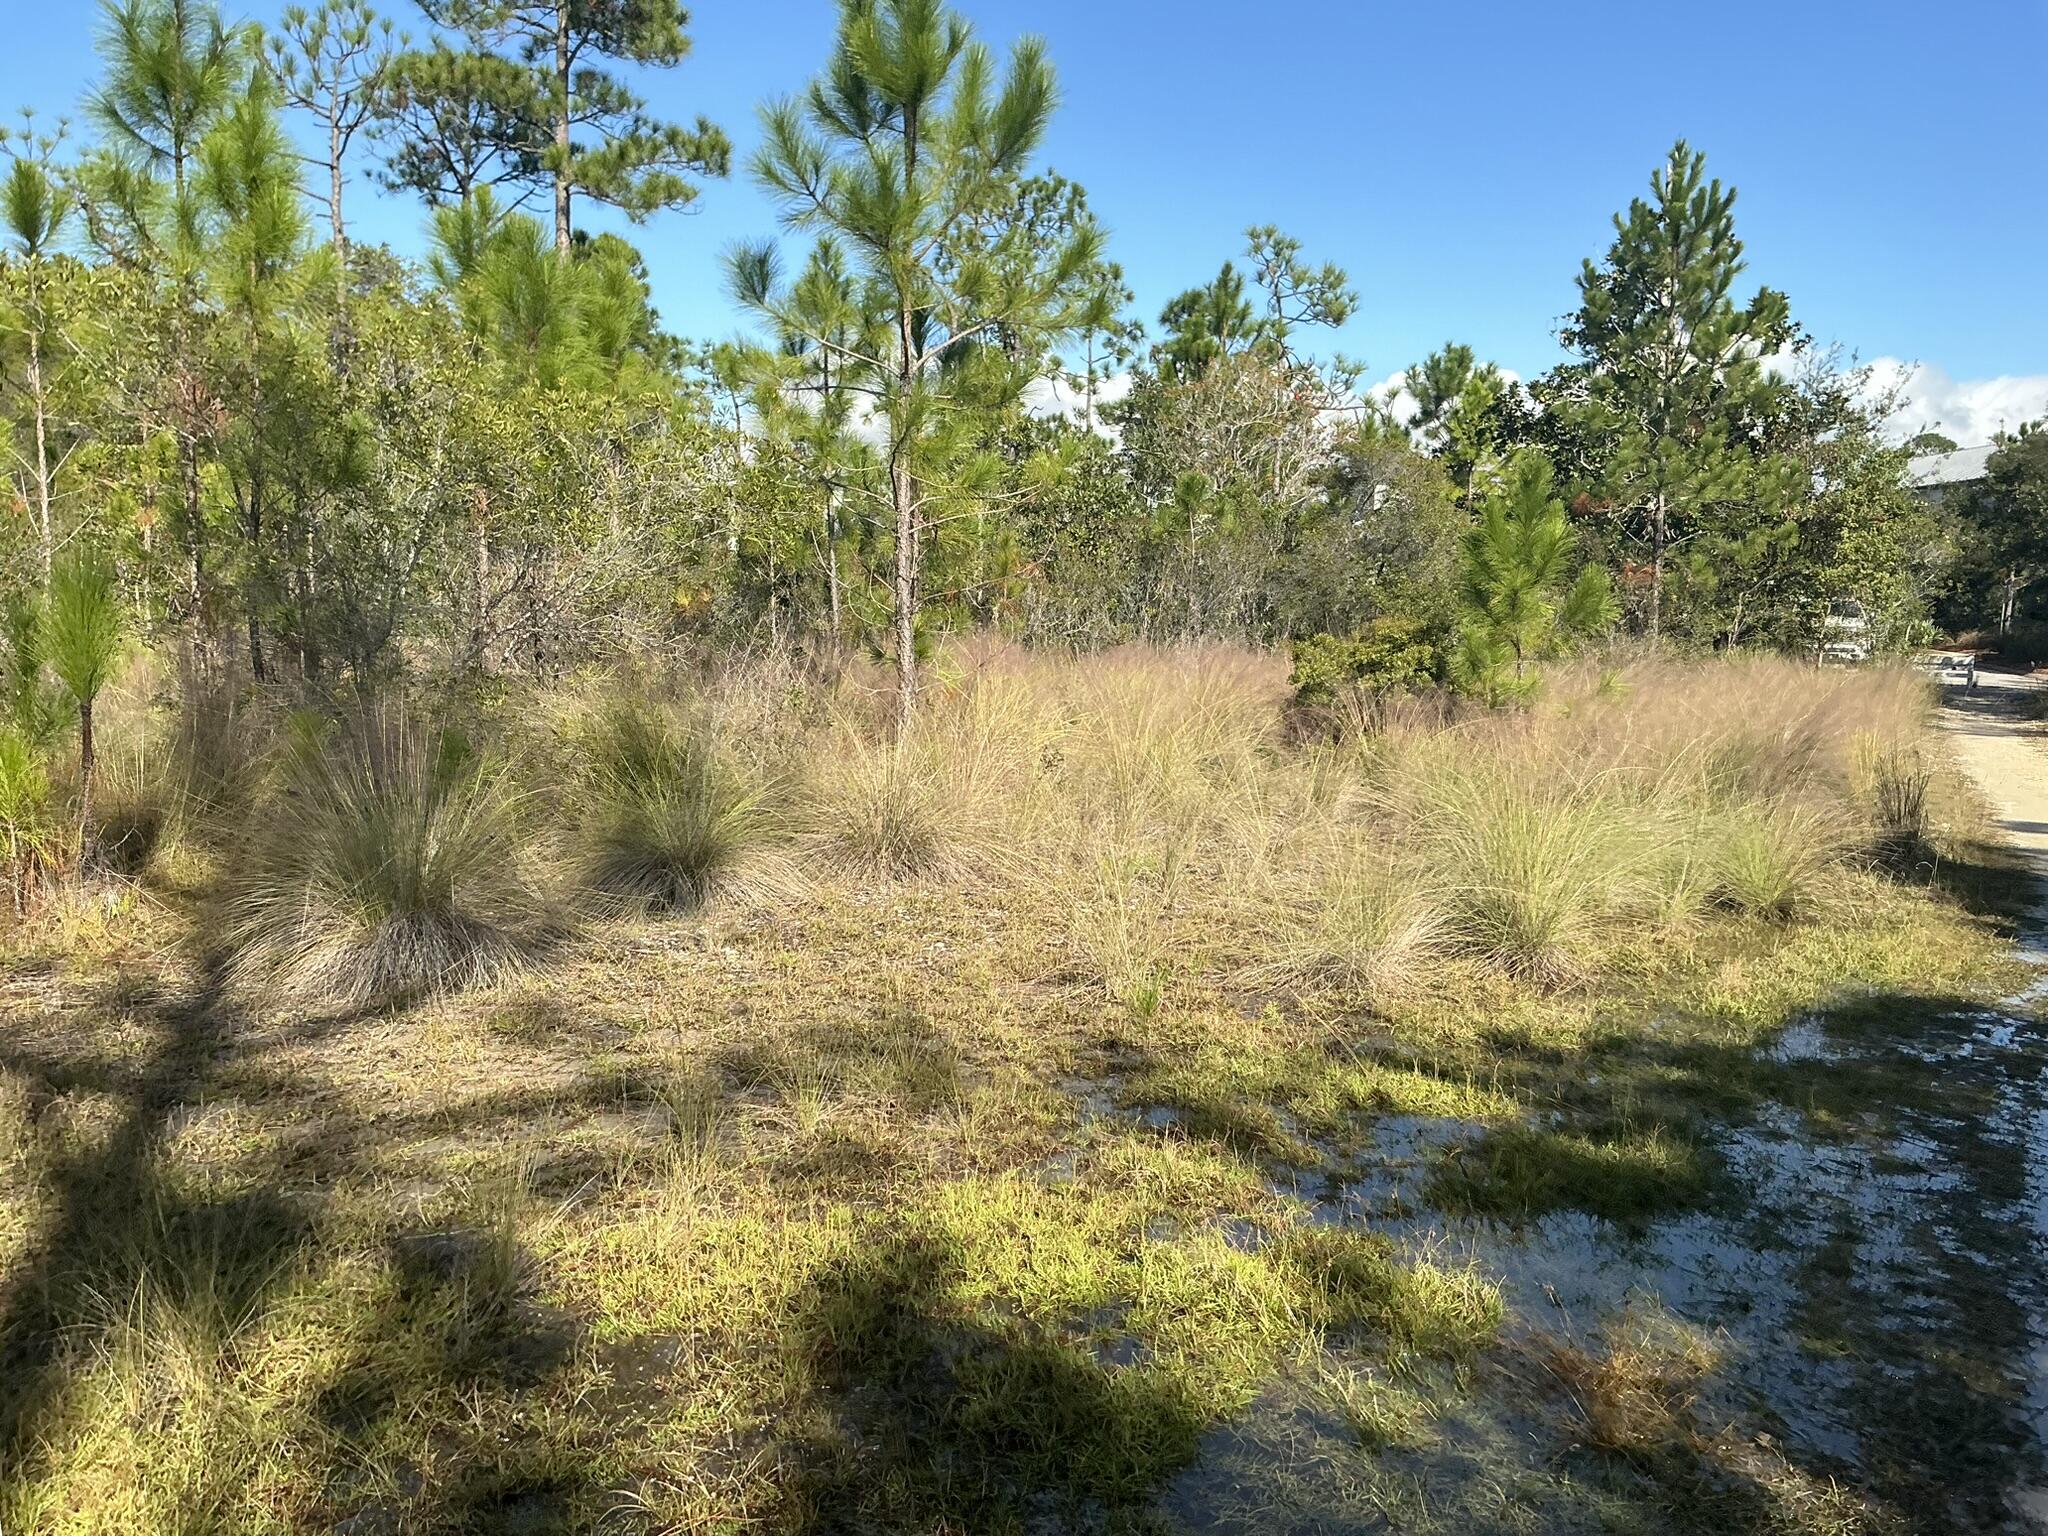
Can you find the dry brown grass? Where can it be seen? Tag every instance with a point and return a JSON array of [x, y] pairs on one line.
[[773, 1172]]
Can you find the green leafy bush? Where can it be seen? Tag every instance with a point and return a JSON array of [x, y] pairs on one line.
[[1349, 679]]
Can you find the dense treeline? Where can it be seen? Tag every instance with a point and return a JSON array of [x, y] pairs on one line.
[[293, 458]]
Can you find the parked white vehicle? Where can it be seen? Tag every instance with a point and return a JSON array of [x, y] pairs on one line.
[[1951, 669], [1845, 633]]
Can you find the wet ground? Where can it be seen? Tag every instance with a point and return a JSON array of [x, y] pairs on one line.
[[1864, 1302]]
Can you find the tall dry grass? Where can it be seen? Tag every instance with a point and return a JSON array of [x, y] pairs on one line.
[[1147, 804], [388, 861]]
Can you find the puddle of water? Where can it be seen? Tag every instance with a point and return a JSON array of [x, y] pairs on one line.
[[1862, 1288]]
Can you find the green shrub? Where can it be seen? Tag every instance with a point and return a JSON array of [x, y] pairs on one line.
[[29, 838], [385, 865], [665, 815], [1351, 679]]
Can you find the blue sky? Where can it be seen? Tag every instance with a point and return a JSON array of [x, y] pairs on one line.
[[1459, 160]]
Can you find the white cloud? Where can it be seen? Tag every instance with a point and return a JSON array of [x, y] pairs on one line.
[[1053, 397], [1392, 392], [1967, 411]]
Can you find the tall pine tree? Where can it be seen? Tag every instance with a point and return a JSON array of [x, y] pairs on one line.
[[905, 139], [1673, 378], [532, 90]]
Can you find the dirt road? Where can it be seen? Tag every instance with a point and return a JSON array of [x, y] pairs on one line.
[[2002, 745], [2005, 750]]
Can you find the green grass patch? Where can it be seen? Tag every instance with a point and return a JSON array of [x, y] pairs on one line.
[[1628, 1176]]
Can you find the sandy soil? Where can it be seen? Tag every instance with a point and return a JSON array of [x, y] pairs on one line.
[[2004, 749]]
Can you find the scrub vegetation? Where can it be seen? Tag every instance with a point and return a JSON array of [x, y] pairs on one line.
[[834, 1188], [964, 912]]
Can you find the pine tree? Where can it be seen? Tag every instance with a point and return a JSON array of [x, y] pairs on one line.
[[1520, 602], [1297, 294], [809, 400], [547, 111], [1466, 411], [904, 140], [255, 223], [81, 638], [1206, 323], [331, 62], [172, 68], [451, 123], [35, 205], [1674, 371]]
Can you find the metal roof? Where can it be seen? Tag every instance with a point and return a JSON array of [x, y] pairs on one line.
[[1957, 468]]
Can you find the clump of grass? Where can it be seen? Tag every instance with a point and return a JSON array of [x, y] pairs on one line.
[[1629, 1176], [1162, 746], [1636, 1398], [1121, 931], [884, 807], [29, 835], [664, 816], [136, 812], [1769, 860], [1420, 1307], [384, 866], [1899, 779], [1362, 926], [1383, 1414], [1536, 859], [948, 797]]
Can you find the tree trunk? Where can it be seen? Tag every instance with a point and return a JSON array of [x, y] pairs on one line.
[[902, 486], [35, 386], [259, 583], [195, 566], [1659, 527], [85, 762], [334, 152], [186, 410], [904, 592], [563, 233], [1088, 393], [310, 659], [832, 563], [480, 584]]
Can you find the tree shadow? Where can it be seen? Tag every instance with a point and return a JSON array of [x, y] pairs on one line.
[[1880, 1161], [945, 1421], [132, 1241], [118, 1221]]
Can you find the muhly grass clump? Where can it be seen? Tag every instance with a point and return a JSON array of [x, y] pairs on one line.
[[29, 835], [1899, 783], [387, 863], [1772, 860], [949, 797], [1353, 918], [663, 814], [1535, 855]]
